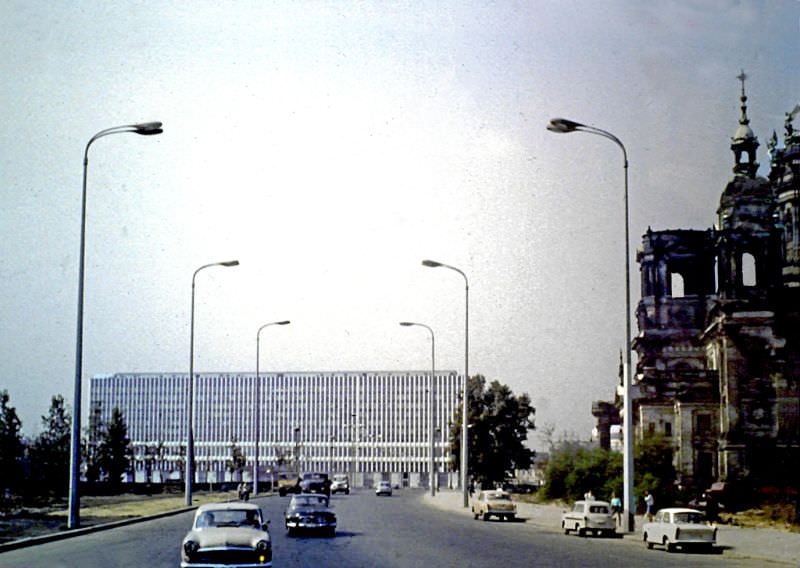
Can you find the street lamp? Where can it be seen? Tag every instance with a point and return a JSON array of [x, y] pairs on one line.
[[464, 405], [258, 402], [190, 413], [564, 126], [431, 422], [73, 516]]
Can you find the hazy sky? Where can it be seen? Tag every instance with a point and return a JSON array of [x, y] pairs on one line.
[[332, 146]]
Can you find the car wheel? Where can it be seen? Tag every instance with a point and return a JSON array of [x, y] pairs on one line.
[[486, 516], [331, 532], [475, 515], [647, 543], [510, 518], [581, 531], [564, 526], [347, 492], [668, 546]]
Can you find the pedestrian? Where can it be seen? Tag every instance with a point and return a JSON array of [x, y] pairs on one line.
[[648, 501], [616, 508], [589, 496], [712, 509]]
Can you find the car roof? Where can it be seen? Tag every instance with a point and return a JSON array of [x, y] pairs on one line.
[[309, 495], [228, 506], [679, 510]]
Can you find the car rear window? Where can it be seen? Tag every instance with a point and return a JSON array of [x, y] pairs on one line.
[[691, 518], [602, 509]]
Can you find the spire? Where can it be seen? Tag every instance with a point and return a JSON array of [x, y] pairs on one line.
[[743, 119], [792, 136], [744, 142]]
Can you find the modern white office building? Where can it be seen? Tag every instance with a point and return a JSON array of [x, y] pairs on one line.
[[371, 424]]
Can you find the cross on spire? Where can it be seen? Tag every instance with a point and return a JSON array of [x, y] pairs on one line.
[[743, 119]]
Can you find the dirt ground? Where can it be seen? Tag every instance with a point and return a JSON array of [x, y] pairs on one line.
[[773, 516]]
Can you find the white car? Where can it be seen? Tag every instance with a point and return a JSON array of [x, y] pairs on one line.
[[675, 527], [384, 488], [586, 516]]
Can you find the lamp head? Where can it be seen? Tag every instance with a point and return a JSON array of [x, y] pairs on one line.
[[148, 128], [431, 263], [406, 323], [286, 322], [563, 126], [230, 263]]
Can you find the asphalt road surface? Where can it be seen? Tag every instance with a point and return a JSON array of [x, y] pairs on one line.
[[373, 532]]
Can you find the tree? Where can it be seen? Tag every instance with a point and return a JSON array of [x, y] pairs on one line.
[[573, 469], [91, 443], [653, 469], [50, 452], [238, 460], [115, 452], [498, 428], [12, 447]]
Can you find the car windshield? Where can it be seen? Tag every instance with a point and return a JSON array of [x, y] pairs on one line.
[[598, 509], [340, 478], [309, 501], [691, 518], [228, 518]]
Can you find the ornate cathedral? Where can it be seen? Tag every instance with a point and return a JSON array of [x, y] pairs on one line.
[[719, 328]]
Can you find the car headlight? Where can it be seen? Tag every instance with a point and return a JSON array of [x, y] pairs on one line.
[[190, 547], [262, 545]]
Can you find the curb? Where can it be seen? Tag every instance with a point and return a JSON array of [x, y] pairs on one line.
[[35, 540]]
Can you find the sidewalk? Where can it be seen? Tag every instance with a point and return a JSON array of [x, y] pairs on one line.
[[767, 544]]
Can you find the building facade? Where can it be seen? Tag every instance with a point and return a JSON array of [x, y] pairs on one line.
[[719, 327], [369, 424]]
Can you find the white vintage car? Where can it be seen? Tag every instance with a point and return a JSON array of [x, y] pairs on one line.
[[675, 527], [589, 516], [227, 535], [497, 503]]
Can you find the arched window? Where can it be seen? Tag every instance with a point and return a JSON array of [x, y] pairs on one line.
[[748, 269], [676, 285]]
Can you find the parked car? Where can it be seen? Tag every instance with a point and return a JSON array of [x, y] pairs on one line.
[[315, 482], [384, 488], [227, 534], [310, 512], [589, 516], [340, 484], [495, 502], [675, 527]]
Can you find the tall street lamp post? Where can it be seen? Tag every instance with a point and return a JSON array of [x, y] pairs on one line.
[[190, 412], [73, 516], [432, 394], [258, 402], [563, 126], [464, 404]]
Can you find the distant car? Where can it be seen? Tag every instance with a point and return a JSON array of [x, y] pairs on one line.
[[675, 527], [340, 484], [315, 482], [310, 512], [589, 516], [384, 488], [497, 503], [288, 482], [227, 534]]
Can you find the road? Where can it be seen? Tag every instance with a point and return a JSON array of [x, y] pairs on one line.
[[374, 532]]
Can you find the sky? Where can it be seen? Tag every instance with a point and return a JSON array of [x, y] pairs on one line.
[[330, 147]]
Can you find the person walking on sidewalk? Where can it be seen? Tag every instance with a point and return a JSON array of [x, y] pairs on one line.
[[648, 501], [616, 508]]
